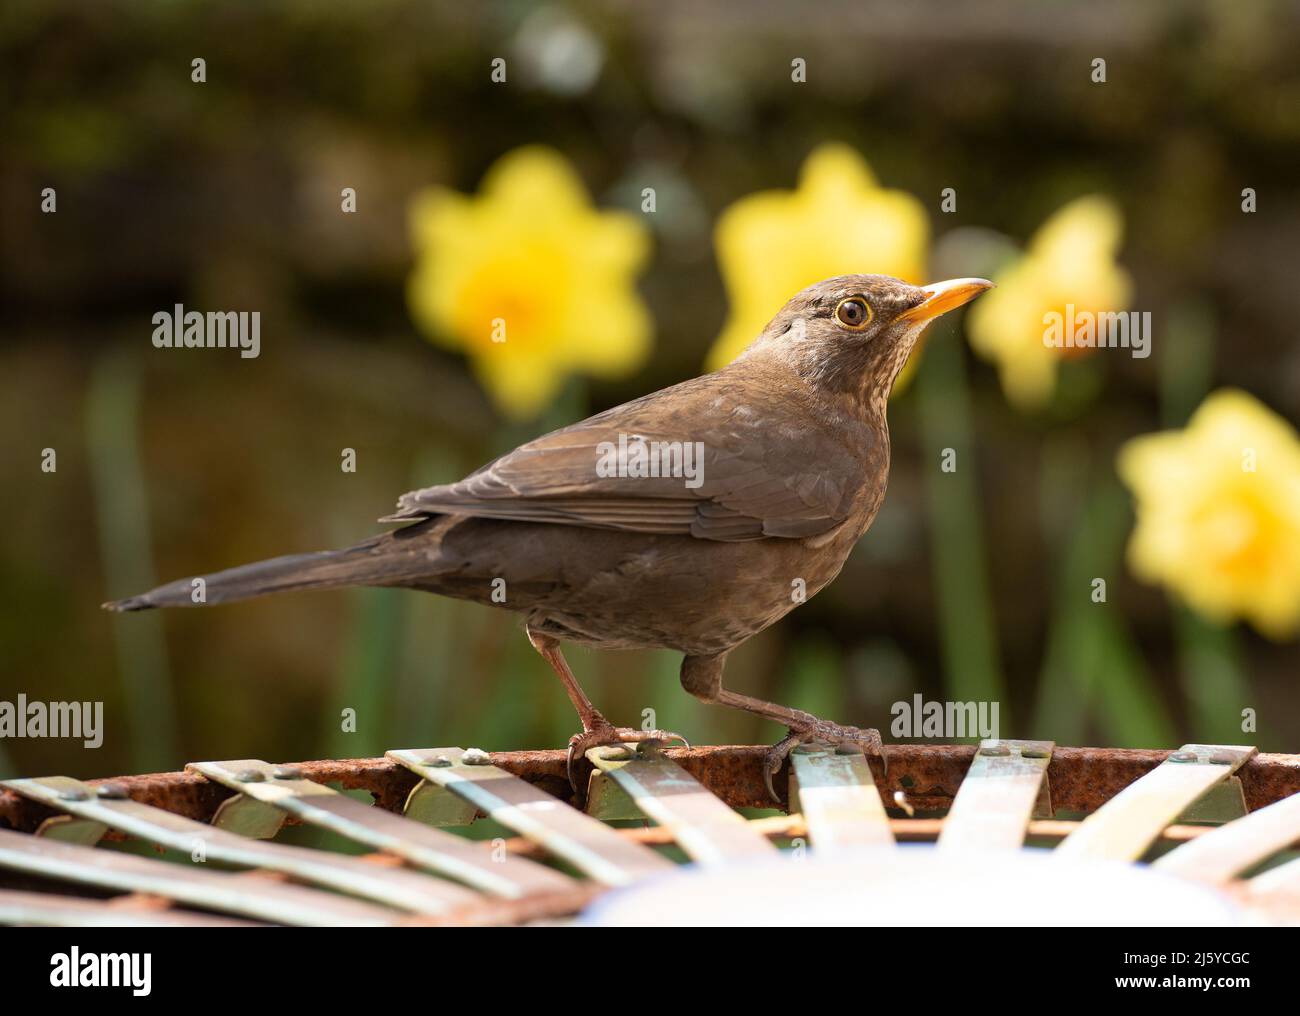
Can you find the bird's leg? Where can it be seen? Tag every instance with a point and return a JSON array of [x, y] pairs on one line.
[[702, 677], [596, 730]]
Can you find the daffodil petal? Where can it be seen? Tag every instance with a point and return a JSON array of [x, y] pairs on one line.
[[1218, 512], [528, 279], [838, 221]]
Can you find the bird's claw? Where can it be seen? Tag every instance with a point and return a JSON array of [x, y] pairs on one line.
[[598, 736], [819, 732]]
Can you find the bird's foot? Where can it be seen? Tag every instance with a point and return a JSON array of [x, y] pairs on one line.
[[819, 731], [604, 733]]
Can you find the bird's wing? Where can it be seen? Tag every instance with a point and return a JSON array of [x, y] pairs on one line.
[[756, 474]]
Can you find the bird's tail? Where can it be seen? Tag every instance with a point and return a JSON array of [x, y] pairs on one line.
[[390, 559]]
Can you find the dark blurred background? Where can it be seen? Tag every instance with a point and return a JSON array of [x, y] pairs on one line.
[[226, 195]]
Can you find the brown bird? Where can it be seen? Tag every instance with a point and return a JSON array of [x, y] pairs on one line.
[[689, 519]]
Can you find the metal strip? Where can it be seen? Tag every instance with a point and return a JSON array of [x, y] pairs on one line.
[[420, 845], [1223, 802], [1225, 852], [49, 910], [1082, 779], [396, 887], [247, 894], [608, 802], [1273, 896], [709, 831], [1126, 825], [996, 800], [430, 804], [594, 849], [67, 829], [836, 794], [1279, 882], [244, 816]]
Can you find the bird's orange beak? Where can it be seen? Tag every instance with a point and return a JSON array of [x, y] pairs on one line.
[[942, 297]]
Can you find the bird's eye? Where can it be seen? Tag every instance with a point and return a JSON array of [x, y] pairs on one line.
[[853, 313]]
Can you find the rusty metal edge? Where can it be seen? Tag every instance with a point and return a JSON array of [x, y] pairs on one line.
[[1082, 779], [904, 830]]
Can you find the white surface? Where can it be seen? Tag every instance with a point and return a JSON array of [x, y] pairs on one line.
[[916, 885]]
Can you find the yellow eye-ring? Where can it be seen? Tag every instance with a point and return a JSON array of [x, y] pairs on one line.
[[853, 313]]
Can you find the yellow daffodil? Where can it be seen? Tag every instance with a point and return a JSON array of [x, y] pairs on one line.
[[839, 221], [1069, 261], [529, 280], [1218, 512]]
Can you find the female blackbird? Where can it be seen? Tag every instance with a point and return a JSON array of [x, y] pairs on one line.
[[689, 519]]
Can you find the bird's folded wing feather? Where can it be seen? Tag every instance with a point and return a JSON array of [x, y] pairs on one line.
[[757, 478]]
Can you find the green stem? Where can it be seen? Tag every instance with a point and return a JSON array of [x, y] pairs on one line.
[[971, 666], [366, 675], [1213, 677], [122, 514], [1092, 665]]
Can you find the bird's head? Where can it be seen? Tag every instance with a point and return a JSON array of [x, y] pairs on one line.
[[853, 333]]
